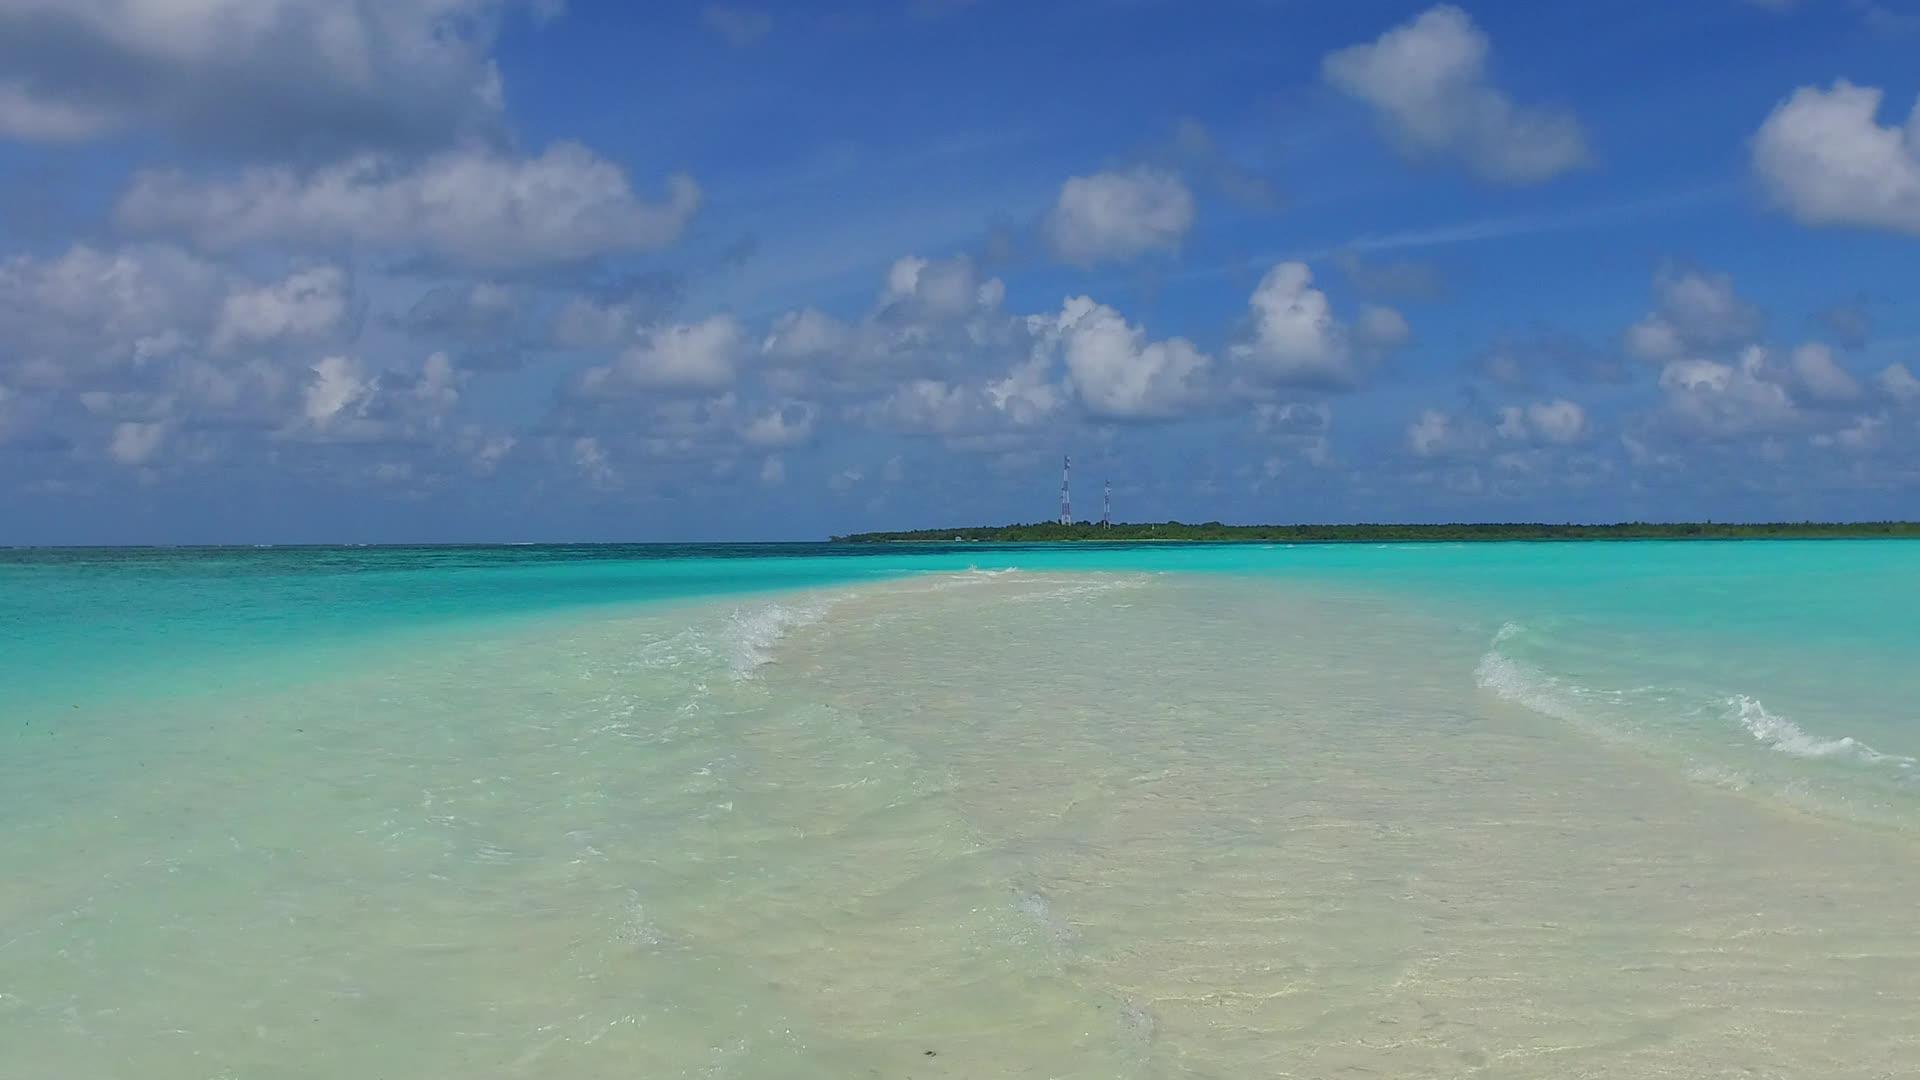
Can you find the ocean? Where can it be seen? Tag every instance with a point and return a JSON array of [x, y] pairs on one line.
[[1636, 809]]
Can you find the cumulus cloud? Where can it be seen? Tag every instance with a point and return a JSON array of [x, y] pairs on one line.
[[773, 471], [309, 303], [615, 316], [591, 459], [1428, 85], [1820, 375], [934, 318], [685, 357], [89, 307], [136, 443], [1825, 158], [939, 288], [472, 206], [927, 407], [466, 311], [1121, 375], [1115, 216], [1559, 421], [1706, 397], [1381, 328], [1899, 383], [1430, 433], [1295, 337], [1863, 434], [343, 400], [1516, 431], [1299, 426], [336, 394], [787, 424], [292, 75], [805, 334], [1694, 311]]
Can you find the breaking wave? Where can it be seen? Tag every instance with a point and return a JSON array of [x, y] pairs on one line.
[[753, 632], [1521, 683], [1782, 734]]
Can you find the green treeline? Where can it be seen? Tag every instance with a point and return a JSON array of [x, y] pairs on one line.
[[1215, 531]]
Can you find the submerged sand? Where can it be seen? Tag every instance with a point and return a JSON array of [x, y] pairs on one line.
[[1020, 825]]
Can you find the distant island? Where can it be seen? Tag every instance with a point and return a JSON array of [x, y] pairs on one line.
[[1050, 531]]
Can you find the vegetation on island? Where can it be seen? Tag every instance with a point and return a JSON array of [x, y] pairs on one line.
[[1050, 531]]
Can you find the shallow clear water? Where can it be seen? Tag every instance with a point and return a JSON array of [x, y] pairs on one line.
[[1490, 810]]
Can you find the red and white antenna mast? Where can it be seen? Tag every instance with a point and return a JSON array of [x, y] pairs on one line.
[[1066, 490]]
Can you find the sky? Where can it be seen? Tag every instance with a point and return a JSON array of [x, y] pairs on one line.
[[278, 271]]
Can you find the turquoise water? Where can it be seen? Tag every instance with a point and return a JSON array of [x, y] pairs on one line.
[[1822, 632], [1115, 810]]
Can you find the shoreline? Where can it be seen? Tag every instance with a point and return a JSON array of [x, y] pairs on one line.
[[1214, 532]]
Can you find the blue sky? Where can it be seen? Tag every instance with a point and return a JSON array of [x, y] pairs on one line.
[[438, 270]]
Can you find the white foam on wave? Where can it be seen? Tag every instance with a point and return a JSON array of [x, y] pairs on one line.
[[752, 633], [1782, 734], [1079, 588], [1523, 684], [972, 575]]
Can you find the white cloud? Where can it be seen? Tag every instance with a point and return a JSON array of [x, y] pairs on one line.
[[473, 206], [342, 401], [283, 74], [90, 307], [1694, 311], [337, 394], [1825, 159], [940, 288], [1427, 82], [927, 407], [1119, 374], [1863, 434], [135, 443], [1292, 417], [1296, 339], [484, 450], [24, 115], [807, 333], [1898, 383], [591, 459], [308, 303], [1559, 421], [1431, 433], [773, 471], [1381, 328], [1115, 216], [1721, 400], [1654, 338], [1821, 375], [437, 389], [789, 424], [1028, 394], [689, 356], [934, 318], [1300, 426], [587, 323]]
